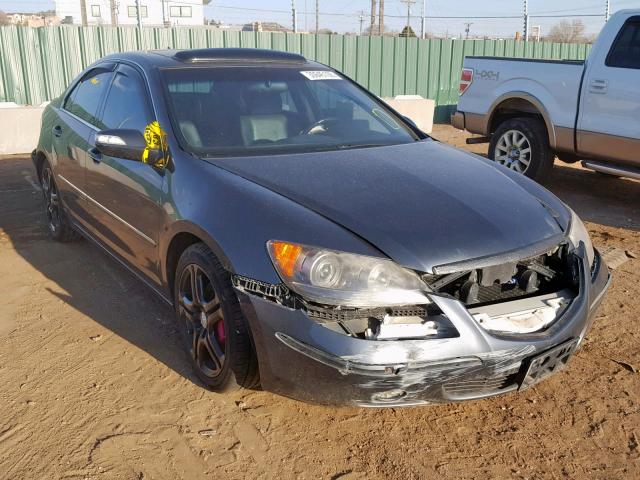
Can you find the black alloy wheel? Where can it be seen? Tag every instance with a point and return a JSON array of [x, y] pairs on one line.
[[203, 318], [58, 224], [214, 330]]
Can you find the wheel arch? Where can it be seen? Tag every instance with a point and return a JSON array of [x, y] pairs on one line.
[[180, 236], [520, 104]]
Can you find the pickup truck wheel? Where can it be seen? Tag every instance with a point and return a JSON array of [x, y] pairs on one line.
[[521, 144], [213, 329]]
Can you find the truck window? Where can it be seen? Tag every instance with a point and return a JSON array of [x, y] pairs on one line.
[[625, 52]]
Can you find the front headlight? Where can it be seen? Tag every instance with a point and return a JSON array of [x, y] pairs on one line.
[[578, 233], [346, 279]]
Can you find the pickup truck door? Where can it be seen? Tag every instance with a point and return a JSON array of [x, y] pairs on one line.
[[125, 196], [609, 121]]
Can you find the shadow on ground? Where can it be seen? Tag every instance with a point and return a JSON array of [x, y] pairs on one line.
[[598, 198], [88, 279]]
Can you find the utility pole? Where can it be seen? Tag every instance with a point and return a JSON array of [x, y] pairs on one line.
[[361, 18], [373, 17], [467, 28], [317, 16], [381, 18], [607, 11], [83, 12], [138, 13], [294, 16], [409, 3], [423, 23], [526, 20], [114, 13]]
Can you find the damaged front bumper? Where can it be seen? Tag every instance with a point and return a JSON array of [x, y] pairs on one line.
[[302, 359]]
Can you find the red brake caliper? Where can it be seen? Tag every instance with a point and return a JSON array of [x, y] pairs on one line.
[[220, 333]]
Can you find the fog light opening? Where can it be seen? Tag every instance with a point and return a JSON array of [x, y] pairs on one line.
[[389, 395]]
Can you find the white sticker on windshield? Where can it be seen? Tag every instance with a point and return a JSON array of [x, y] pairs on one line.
[[321, 75]]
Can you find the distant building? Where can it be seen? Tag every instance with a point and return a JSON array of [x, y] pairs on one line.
[[264, 27], [41, 19], [124, 12]]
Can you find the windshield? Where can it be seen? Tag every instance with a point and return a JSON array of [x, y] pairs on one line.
[[227, 111]]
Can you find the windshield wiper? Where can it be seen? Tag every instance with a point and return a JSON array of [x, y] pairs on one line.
[[348, 146]]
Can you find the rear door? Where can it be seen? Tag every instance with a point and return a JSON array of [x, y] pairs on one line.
[[77, 120], [126, 195], [609, 124]]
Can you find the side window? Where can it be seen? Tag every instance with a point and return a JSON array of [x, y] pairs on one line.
[[127, 104], [87, 96], [625, 52]]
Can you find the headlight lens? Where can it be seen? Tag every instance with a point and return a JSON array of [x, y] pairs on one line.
[[578, 233], [346, 279]]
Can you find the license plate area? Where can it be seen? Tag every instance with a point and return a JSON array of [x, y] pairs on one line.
[[547, 363]]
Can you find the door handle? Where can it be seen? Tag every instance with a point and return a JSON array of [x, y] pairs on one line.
[[598, 86], [57, 131], [95, 155]]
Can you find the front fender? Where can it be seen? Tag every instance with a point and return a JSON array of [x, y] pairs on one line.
[[236, 217]]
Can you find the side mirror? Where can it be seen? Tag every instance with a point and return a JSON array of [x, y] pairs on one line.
[[121, 143]]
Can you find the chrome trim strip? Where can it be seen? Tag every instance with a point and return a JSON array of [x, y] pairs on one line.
[[72, 185], [109, 212]]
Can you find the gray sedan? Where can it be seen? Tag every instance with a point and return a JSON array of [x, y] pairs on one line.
[[309, 237]]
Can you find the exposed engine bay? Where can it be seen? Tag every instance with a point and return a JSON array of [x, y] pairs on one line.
[[519, 297]]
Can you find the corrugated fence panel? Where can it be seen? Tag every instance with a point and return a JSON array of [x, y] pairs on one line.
[[36, 65]]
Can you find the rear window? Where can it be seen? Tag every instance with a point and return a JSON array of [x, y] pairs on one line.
[[234, 111], [625, 52]]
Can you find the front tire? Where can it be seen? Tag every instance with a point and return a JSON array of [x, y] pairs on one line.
[[522, 145], [58, 223], [214, 331]]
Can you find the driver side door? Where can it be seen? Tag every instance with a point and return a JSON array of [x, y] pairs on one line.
[[125, 196]]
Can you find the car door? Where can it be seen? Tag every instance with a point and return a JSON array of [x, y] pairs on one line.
[[609, 124], [125, 196], [75, 122]]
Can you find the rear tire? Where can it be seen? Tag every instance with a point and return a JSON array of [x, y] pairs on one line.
[[58, 222], [522, 144], [213, 328]]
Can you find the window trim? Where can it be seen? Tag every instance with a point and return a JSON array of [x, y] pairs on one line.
[[608, 61], [104, 68], [144, 11], [93, 11], [180, 9], [148, 99]]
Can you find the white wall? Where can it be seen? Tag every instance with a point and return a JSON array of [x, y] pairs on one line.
[[20, 129], [158, 12]]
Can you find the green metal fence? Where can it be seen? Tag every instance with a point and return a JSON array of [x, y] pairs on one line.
[[37, 63]]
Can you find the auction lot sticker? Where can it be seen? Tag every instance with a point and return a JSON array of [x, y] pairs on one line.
[[321, 75]]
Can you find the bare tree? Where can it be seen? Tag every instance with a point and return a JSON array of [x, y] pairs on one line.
[[4, 19], [569, 32]]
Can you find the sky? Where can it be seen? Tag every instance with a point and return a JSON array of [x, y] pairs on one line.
[[343, 15]]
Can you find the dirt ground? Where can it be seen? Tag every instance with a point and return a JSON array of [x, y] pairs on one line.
[[93, 383]]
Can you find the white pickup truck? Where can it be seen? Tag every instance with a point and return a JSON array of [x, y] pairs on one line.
[[533, 110]]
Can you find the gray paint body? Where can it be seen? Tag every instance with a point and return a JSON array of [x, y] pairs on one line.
[[422, 205]]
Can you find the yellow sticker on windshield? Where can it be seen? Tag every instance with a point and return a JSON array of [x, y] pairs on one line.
[[94, 81], [156, 140]]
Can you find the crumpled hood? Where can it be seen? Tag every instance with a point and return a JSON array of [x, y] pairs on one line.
[[423, 204]]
